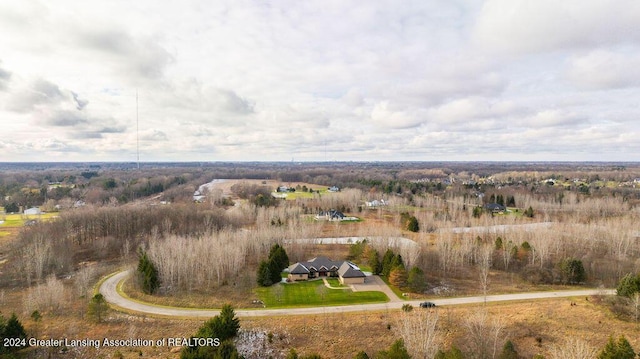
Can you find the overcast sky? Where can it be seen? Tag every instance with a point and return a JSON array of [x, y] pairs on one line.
[[320, 80]]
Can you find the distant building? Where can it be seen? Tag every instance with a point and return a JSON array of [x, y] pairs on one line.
[[376, 203], [334, 189], [331, 215], [32, 211], [495, 208]]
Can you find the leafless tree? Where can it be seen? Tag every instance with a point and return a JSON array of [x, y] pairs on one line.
[[419, 330], [83, 279], [572, 348], [47, 296], [484, 265], [35, 258], [485, 334]]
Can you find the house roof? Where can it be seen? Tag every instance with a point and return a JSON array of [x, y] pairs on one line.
[[349, 270], [298, 268], [495, 207], [320, 261]]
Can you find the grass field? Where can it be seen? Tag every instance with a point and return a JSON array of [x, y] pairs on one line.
[[18, 220], [291, 196], [314, 293]]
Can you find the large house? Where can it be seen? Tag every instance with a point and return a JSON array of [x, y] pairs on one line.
[[331, 215], [345, 271]]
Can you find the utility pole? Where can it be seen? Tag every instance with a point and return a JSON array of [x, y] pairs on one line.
[[137, 133]]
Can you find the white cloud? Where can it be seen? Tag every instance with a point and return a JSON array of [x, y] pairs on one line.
[[521, 26], [604, 69]]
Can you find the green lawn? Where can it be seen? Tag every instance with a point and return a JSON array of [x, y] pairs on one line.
[[335, 283], [17, 220], [299, 194], [308, 294], [395, 289]]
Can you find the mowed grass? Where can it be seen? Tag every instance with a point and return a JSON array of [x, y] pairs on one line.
[[314, 294], [18, 220], [291, 196]]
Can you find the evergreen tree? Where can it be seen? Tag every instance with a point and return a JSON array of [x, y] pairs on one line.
[[529, 212], [617, 350], [148, 273], [625, 350], [628, 285], [361, 355], [397, 262], [224, 327], [264, 274], [11, 329], [274, 271], [453, 353], [416, 281], [293, 354], [386, 262], [396, 351], [374, 262], [279, 256], [97, 308], [572, 270], [508, 351], [398, 277], [413, 225]]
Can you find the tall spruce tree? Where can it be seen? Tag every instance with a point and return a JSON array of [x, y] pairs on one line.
[[147, 273]]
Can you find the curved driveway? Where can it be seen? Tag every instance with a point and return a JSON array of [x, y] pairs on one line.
[[109, 291]]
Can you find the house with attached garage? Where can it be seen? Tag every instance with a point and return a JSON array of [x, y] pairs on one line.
[[318, 267]]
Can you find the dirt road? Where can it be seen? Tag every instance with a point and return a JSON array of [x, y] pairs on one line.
[[108, 289]]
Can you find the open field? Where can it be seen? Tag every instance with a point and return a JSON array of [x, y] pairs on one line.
[[18, 220]]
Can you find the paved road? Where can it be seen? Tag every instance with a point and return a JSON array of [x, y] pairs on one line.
[[108, 289]]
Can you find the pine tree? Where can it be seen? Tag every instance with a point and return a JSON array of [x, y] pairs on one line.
[[279, 255], [274, 271], [386, 262], [413, 225], [97, 308], [11, 329], [508, 351], [374, 262], [224, 327], [572, 270], [264, 274], [148, 273], [625, 350], [628, 285], [396, 351], [398, 277], [416, 281], [397, 262], [617, 350]]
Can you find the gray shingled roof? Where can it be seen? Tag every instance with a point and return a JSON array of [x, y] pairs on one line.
[[298, 268], [319, 262], [349, 270]]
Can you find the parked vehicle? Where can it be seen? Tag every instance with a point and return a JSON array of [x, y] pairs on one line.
[[427, 305]]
